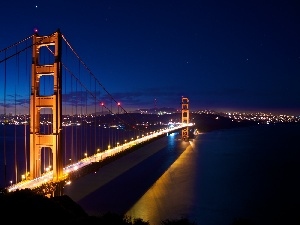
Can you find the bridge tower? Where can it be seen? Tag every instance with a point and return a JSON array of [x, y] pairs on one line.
[[185, 115], [52, 140]]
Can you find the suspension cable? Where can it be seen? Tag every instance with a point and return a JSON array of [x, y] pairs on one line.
[[85, 66], [94, 95], [17, 43]]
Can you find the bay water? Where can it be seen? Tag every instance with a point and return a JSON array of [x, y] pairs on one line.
[[243, 174]]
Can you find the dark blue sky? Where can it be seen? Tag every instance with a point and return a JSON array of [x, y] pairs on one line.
[[222, 55]]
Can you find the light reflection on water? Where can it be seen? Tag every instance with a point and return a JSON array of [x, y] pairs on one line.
[[171, 196]]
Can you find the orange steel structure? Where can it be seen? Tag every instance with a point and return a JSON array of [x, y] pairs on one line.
[[185, 115], [53, 140]]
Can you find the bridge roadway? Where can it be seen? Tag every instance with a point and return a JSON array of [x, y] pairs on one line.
[[48, 176]]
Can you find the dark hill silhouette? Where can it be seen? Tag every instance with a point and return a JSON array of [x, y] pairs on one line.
[[26, 205]]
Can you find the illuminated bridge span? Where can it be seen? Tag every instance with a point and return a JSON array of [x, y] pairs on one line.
[[57, 117]]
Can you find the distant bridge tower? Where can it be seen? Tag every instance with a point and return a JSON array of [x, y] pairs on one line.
[[185, 115], [54, 102]]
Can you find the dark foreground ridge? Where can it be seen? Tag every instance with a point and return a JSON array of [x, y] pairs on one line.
[[25, 204]]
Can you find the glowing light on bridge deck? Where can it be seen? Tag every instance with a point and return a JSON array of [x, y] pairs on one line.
[[48, 176]]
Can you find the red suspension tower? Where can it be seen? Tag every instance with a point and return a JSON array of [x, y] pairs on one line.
[[53, 140], [185, 115]]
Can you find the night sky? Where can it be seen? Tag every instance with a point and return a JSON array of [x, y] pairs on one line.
[[222, 55]]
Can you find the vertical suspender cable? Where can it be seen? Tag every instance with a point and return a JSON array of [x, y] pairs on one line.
[[72, 121], [90, 127], [4, 127], [16, 165], [81, 118], [111, 123], [86, 124], [102, 130], [64, 129], [77, 138], [95, 119], [25, 124], [76, 117]]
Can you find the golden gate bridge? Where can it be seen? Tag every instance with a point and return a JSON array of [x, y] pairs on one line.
[[57, 117]]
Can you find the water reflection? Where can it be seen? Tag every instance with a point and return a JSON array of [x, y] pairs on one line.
[[171, 196]]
